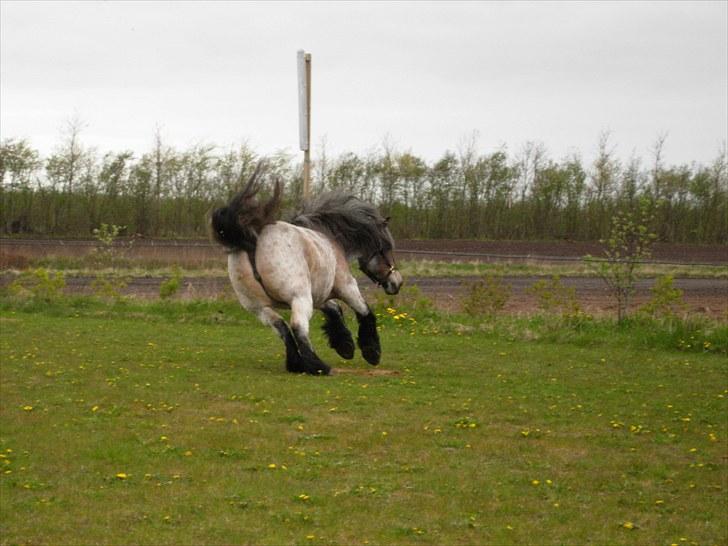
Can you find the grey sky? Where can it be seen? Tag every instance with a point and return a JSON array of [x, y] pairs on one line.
[[424, 75]]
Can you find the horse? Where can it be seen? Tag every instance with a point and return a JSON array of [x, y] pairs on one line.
[[303, 264]]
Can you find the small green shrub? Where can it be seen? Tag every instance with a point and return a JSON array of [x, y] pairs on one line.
[[108, 287], [554, 297], [170, 287], [666, 301], [38, 284], [486, 296]]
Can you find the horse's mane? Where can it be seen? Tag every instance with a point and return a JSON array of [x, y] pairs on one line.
[[353, 223]]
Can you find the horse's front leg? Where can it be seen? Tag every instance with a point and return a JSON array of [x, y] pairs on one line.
[[301, 312], [336, 331], [368, 337]]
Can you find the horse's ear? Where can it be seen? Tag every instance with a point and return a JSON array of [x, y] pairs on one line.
[[386, 220]]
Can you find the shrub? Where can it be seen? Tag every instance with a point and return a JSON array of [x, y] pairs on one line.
[[554, 297], [108, 287], [486, 296], [39, 284], [666, 301], [170, 287]]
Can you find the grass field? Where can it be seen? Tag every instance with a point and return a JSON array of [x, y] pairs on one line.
[[176, 424]]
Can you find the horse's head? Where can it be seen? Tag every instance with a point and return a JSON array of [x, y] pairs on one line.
[[380, 265]]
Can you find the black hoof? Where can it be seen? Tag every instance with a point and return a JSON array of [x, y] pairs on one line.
[[317, 367], [308, 366], [372, 353], [368, 338], [338, 334], [295, 365], [345, 348]]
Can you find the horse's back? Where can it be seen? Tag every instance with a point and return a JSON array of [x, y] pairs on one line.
[[294, 261]]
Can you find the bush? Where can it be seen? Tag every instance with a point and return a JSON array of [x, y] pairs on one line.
[[486, 296], [38, 284], [170, 287], [554, 297], [666, 301], [108, 287]]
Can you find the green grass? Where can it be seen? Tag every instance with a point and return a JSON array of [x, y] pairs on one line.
[[160, 424]]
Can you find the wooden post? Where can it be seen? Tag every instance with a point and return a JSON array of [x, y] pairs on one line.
[[304, 117]]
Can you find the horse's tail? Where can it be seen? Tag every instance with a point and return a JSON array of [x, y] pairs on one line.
[[238, 224]]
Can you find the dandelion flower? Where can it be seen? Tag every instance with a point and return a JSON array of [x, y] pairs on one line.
[[122, 475]]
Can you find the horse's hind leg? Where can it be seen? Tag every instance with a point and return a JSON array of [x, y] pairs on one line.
[[301, 312], [336, 331], [294, 361]]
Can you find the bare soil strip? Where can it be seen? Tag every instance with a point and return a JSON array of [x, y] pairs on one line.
[[703, 296], [185, 252]]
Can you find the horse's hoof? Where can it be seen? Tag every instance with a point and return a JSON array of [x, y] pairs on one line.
[[320, 370], [371, 354], [346, 350]]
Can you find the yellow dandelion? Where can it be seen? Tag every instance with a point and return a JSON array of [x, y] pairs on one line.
[[122, 475], [27, 408], [628, 525], [272, 466], [535, 482]]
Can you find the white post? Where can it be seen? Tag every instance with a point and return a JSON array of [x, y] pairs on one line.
[[304, 117]]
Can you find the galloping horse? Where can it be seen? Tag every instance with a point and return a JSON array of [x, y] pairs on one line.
[[304, 265]]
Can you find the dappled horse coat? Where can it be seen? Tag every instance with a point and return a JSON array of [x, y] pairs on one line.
[[304, 265]]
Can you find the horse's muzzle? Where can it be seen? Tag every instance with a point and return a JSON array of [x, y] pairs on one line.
[[393, 283]]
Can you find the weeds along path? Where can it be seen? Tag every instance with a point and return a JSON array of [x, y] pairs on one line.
[[707, 296]]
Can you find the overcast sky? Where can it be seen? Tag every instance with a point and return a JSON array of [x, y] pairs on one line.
[[425, 76]]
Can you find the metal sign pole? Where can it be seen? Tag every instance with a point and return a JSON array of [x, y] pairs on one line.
[[304, 117]]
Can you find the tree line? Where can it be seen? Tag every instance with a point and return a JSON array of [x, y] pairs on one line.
[[469, 193]]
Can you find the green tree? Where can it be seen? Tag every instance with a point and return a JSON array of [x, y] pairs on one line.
[[629, 243]]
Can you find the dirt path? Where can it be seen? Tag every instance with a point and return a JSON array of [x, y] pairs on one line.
[[183, 252], [704, 296], [707, 296]]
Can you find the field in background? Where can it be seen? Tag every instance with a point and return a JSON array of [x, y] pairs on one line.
[[175, 423], [441, 269], [202, 254]]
